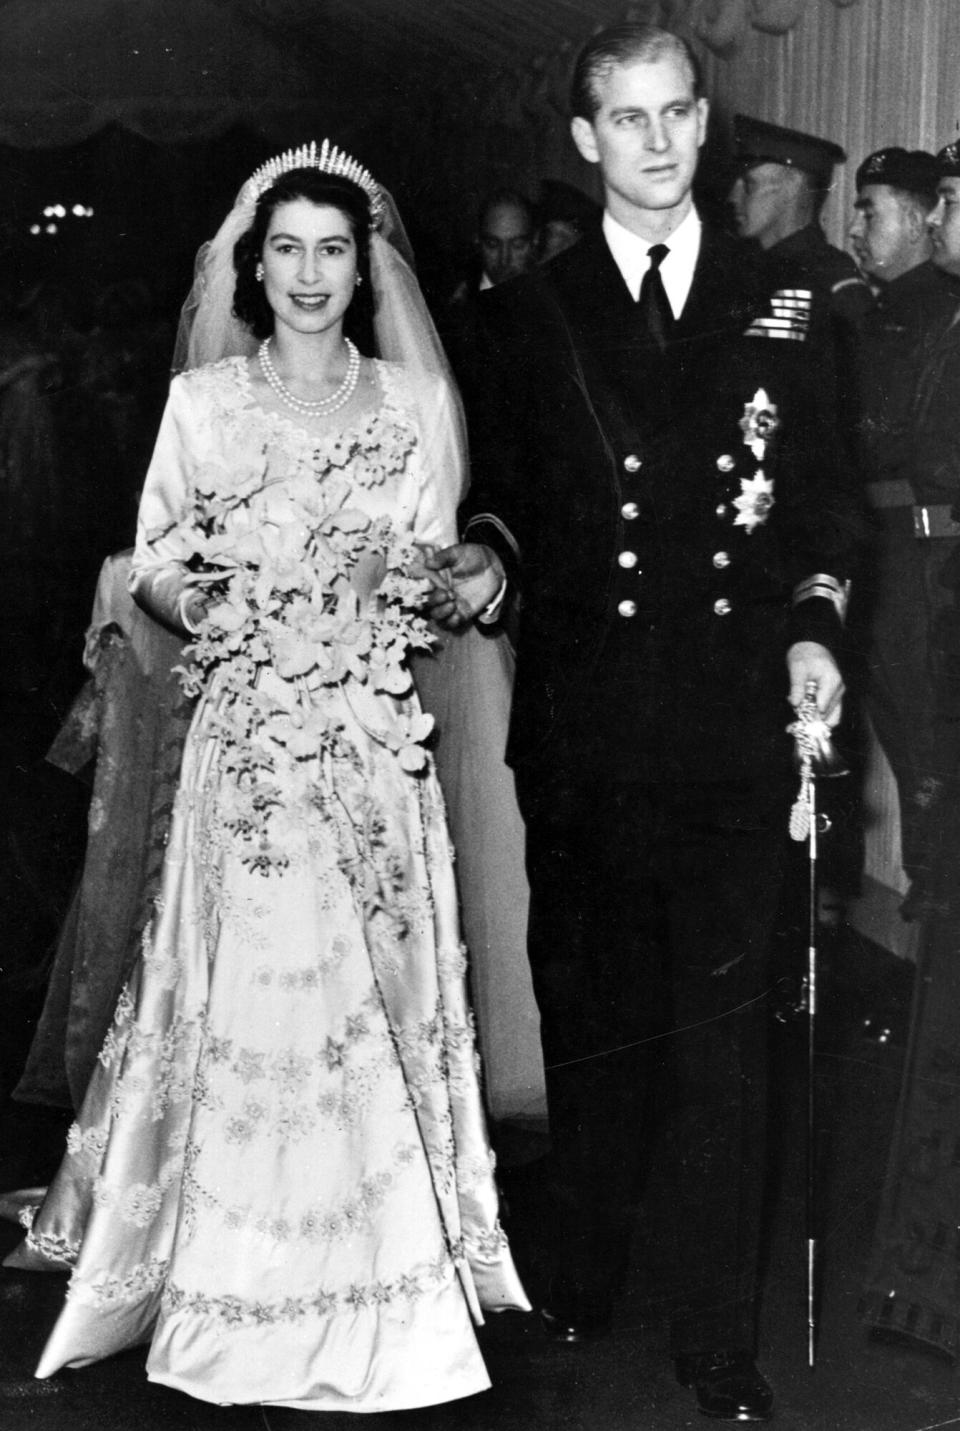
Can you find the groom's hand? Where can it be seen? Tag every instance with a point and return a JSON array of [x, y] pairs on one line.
[[469, 577]]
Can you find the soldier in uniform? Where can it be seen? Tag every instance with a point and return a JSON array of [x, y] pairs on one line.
[[784, 177], [656, 476], [912, 1293], [903, 417]]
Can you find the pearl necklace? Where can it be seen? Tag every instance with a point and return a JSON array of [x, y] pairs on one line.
[[324, 406]]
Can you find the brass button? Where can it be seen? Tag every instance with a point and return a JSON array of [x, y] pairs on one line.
[[630, 511], [722, 509], [633, 463], [627, 560], [721, 559], [725, 463], [722, 606], [627, 608]]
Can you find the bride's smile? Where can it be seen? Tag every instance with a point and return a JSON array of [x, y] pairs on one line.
[[309, 266]]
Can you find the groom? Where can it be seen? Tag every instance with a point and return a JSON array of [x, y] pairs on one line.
[[656, 482]]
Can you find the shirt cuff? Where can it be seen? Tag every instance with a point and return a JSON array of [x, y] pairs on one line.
[[185, 621], [826, 587], [491, 612]]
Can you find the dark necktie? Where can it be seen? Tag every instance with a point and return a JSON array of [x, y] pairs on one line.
[[653, 306]]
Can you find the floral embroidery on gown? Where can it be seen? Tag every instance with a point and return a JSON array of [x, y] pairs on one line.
[[280, 1176]]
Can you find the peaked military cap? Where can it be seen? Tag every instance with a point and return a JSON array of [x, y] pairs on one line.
[[948, 159], [757, 142], [914, 170]]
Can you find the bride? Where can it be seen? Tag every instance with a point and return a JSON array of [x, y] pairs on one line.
[[280, 1176]]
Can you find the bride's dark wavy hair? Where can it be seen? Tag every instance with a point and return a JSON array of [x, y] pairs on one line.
[[249, 301]]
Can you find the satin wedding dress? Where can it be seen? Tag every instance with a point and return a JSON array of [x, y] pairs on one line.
[[280, 1177]]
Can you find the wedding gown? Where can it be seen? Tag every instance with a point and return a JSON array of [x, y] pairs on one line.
[[280, 1176]]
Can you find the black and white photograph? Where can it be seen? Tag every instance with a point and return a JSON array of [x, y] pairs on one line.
[[480, 715]]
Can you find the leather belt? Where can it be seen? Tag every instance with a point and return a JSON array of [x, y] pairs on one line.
[[893, 502], [936, 521]]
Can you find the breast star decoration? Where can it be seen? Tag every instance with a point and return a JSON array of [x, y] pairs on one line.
[[758, 425]]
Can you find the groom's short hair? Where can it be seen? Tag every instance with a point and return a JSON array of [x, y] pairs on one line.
[[622, 45]]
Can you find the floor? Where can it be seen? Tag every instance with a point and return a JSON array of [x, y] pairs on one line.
[[624, 1381]]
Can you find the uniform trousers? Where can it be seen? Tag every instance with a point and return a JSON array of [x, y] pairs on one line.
[[913, 690], [651, 908]]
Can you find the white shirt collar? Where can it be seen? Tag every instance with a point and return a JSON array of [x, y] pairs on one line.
[[630, 255]]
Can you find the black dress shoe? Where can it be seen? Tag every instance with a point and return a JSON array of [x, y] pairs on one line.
[[728, 1386], [571, 1325]]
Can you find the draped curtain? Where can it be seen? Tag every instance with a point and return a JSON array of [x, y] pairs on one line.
[[171, 71], [450, 101], [879, 72]]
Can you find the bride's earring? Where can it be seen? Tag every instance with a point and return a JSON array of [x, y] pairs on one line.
[[358, 280], [259, 272]]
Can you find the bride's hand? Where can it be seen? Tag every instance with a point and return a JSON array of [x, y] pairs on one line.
[[441, 584], [194, 606]]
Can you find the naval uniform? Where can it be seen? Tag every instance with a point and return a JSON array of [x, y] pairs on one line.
[[842, 299], [673, 521]]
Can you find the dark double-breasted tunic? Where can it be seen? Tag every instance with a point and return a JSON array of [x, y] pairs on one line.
[[658, 546], [672, 522]]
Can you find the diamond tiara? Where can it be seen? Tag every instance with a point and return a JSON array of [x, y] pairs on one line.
[[329, 160]]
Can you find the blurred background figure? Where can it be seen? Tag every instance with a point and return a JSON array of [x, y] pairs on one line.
[[505, 237], [896, 193], [504, 247], [783, 180], [900, 603], [912, 1293], [563, 215]]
